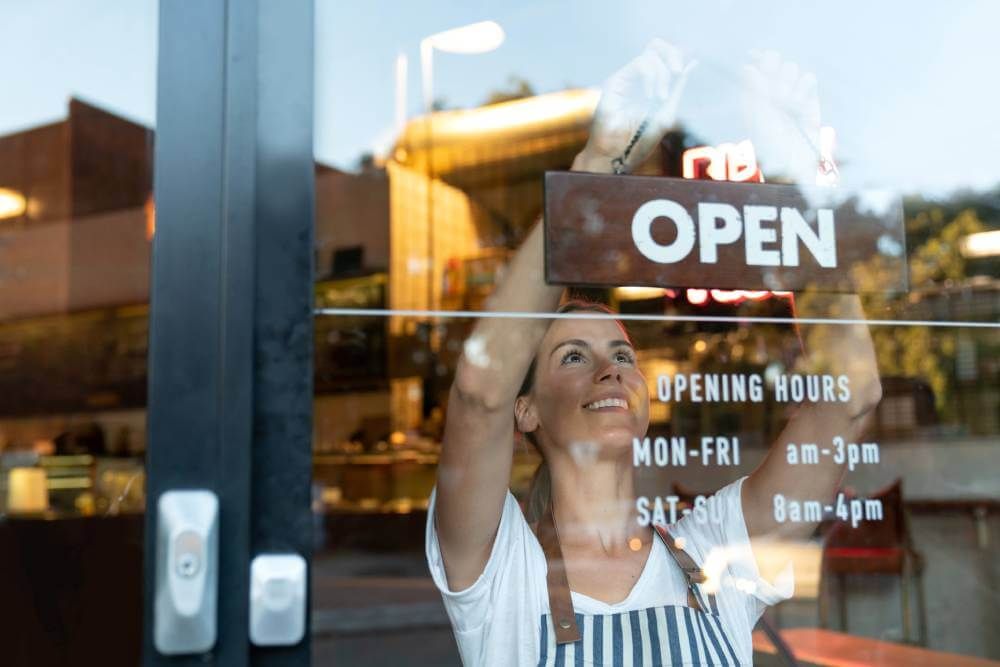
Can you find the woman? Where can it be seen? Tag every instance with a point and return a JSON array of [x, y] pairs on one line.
[[587, 584]]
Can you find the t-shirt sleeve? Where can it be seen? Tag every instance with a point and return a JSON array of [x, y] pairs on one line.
[[470, 608], [718, 537]]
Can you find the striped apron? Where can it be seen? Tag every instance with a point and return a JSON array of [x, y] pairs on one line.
[[654, 637]]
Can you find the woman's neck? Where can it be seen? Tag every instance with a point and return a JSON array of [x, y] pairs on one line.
[[593, 504]]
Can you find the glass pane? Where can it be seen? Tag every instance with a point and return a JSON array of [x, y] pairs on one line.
[[865, 427], [76, 219]]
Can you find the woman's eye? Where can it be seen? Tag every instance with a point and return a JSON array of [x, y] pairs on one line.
[[572, 357], [624, 358]]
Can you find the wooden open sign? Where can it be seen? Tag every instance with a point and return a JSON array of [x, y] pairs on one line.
[[603, 230]]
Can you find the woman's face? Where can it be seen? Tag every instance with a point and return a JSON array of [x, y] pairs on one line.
[[588, 395]]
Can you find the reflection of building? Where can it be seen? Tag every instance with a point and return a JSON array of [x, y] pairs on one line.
[[459, 202], [75, 266], [81, 246], [486, 191], [81, 242], [92, 162]]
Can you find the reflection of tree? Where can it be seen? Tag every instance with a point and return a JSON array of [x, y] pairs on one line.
[[516, 89], [938, 259], [935, 260]]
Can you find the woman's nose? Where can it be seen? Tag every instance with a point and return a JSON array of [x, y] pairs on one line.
[[610, 371]]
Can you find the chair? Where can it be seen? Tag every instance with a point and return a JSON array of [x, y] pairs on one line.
[[876, 547]]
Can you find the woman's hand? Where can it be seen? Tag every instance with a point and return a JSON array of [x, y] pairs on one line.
[[781, 103], [644, 93]]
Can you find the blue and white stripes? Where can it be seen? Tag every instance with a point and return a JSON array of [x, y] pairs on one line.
[[653, 637]]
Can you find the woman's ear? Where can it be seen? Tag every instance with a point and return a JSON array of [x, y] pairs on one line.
[[524, 414]]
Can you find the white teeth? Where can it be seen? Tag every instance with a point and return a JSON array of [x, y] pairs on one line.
[[608, 403]]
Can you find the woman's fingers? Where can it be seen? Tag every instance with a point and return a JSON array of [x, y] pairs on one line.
[[667, 53], [649, 73], [642, 94], [666, 113], [782, 107], [673, 61], [785, 82], [780, 84], [656, 71], [754, 83], [671, 76], [806, 90], [630, 84], [769, 62]]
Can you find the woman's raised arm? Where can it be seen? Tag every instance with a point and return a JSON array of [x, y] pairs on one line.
[[841, 348], [474, 470], [784, 113]]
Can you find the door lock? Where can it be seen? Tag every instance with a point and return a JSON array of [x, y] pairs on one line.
[[277, 599], [187, 555]]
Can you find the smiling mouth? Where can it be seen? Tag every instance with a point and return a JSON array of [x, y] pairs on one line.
[[607, 403]]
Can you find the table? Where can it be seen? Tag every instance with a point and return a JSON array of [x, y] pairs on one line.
[[836, 649]]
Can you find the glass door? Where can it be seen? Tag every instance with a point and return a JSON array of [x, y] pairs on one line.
[[856, 400]]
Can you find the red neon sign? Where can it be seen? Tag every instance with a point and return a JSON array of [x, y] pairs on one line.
[[725, 162], [699, 297]]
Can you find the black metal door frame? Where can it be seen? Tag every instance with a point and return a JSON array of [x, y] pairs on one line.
[[230, 353]]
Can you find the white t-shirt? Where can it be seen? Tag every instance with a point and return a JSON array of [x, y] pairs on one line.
[[496, 619]]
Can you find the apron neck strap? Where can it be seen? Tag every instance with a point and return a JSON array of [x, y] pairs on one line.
[[692, 572], [560, 600]]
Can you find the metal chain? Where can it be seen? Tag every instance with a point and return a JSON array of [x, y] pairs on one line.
[[618, 164], [827, 166]]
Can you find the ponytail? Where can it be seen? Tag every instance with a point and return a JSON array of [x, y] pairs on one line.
[[539, 494]]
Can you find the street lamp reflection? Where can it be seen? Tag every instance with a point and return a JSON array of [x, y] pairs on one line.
[[12, 204], [473, 38]]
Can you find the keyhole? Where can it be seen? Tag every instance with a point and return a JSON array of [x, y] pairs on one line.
[[187, 565]]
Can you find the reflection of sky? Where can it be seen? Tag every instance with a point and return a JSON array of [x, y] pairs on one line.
[[910, 87]]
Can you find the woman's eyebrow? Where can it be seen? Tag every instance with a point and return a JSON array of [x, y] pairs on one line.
[[620, 342], [572, 341]]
